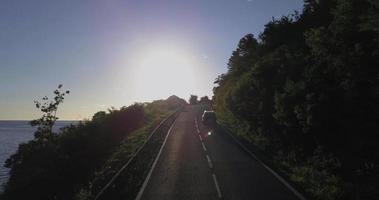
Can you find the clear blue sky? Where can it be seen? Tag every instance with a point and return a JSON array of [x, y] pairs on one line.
[[100, 49]]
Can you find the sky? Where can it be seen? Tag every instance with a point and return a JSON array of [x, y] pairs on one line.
[[112, 53]]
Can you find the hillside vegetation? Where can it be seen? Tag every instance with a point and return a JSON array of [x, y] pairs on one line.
[[64, 165], [306, 92]]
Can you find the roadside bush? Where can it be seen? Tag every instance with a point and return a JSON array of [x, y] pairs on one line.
[[311, 80], [60, 167]]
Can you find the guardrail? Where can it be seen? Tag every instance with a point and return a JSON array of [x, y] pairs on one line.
[[153, 136]]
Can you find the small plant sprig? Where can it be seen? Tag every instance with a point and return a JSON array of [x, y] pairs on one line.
[[49, 109]]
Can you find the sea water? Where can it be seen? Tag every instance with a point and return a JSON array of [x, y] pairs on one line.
[[13, 133]]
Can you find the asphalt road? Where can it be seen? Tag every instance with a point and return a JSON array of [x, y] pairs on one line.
[[195, 165]]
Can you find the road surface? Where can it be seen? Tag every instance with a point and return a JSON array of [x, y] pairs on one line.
[[195, 165]]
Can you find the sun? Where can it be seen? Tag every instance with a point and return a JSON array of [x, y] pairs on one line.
[[163, 71]]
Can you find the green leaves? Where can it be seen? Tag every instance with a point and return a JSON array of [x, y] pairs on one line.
[[49, 109], [311, 81], [193, 99]]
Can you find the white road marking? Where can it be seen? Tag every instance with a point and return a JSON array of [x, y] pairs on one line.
[[202, 144], [197, 126], [140, 193], [209, 162], [217, 186]]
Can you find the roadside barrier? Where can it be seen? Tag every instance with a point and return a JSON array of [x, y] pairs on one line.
[[147, 149]]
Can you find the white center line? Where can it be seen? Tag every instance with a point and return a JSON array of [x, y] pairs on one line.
[[202, 144], [209, 162], [197, 126], [217, 187]]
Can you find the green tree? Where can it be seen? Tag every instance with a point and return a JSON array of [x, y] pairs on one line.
[[59, 165], [49, 110], [311, 82], [193, 99]]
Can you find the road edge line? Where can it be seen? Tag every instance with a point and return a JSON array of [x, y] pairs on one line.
[[281, 179], [98, 195], [217, 186], [146, 181]]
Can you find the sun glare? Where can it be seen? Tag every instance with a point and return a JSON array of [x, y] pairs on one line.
[[161, 72]]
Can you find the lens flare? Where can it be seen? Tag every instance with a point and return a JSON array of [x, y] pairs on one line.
[[162, 71]]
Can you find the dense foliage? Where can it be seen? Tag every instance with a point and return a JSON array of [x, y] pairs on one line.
[[60, 165], [193, 99], [205, 100], [307, 92]]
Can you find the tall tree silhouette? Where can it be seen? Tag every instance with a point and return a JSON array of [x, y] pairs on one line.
[[309, 89]]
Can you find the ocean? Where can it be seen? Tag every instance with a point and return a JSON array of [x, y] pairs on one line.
[[12, 133]]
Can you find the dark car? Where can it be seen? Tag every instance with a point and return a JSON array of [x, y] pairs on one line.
[[208, 118]]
